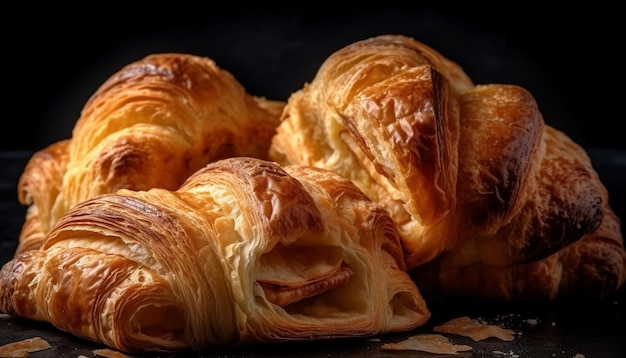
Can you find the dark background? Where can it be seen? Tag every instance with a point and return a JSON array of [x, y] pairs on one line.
[[569, 58]]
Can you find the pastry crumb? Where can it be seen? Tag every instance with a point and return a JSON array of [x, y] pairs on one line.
[[23, 347], [474, 329], [429, 343]]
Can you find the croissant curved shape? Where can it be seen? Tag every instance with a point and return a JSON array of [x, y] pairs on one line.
[[471, 174], [151, 124], [244, 251]]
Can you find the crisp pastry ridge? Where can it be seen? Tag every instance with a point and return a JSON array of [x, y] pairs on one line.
[[471, 173], [244, 252]]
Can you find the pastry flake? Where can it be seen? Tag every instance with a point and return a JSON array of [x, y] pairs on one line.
[[474, 329], [23, 347], [430, 343]]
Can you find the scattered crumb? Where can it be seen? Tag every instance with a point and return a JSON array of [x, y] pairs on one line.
[[578, 355], [109, 353], [532, 321], [23, 347], [430, 343], [474, 329]]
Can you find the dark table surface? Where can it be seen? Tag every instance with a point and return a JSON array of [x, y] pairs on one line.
[[556, 329]]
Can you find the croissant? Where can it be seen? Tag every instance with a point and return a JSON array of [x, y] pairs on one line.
[[379, 114], [245, 251], [151, 124], [477, 183], [591, 267]]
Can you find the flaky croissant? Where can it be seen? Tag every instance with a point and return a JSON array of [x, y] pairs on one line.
[[151, 124], [471, 174], [244, 252], [593, 266]]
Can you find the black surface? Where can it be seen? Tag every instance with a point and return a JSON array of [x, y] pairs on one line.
[[563, 328], [569, 57]]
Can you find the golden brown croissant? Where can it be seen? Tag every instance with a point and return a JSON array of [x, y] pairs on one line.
[[470, 172], [591, 267], [379, 113], [151, 124], [244, 252]]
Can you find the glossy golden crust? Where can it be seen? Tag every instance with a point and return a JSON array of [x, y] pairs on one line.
[[152, 124], [245, 251], [500, 135]]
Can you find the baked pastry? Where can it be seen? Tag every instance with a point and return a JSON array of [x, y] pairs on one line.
[[151, 124], [380, 113], [590, 268], [471, 174], [593, 266], [243, 252]]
